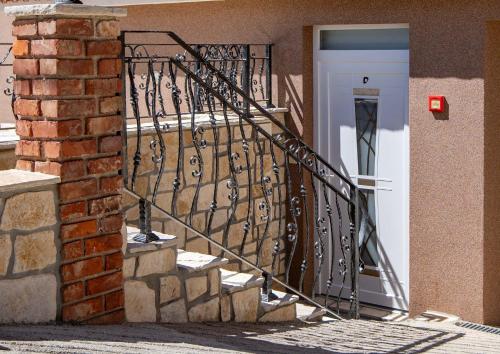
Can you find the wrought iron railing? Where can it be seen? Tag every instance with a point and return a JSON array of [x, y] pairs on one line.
[[230, 172], [7, 81]]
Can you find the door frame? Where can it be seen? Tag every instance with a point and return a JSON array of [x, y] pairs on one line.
[[406, 133]]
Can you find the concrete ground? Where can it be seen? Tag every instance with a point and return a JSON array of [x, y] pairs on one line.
[[361, 336]]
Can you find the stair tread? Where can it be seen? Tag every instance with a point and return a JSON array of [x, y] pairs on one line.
[[194, 261], [283, 299], [309, 313], [136, 247], [234, 281]]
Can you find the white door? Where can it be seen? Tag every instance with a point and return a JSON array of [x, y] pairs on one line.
[[361, 120]]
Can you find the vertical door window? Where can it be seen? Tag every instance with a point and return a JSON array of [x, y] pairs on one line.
[[366, 140]]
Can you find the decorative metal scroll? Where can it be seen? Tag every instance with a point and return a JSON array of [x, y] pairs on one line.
[[225, 169], [6, 74]]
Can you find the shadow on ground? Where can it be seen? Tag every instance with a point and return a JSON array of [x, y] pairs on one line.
[[333, 337]]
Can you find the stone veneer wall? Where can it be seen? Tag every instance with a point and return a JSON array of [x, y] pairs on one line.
[[29, 248], [148, 172]]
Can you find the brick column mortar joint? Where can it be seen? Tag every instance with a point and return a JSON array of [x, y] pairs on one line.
[[68, 102]]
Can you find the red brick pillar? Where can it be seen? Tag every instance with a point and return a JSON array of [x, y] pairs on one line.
[[68, 102]]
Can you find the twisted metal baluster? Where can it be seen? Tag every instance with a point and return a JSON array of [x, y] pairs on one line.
[[353, 216], [247, 224], [215, 132], [180, 152], [305, 253], [277, 245], [295, 211], [342, 262], [134, 101], [263, 206], [261, 73], [161, 158], [252, 81], [161, 101], [320, 233], [198, 158], [232, 184]]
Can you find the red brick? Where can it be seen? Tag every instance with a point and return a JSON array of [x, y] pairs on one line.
[[68, 108], [108, 28], [73, 292], [104, 125], [25, 67], [105, 205], [24, 165], [78, 230], [111, 144], [51, 168], [114, 261], [107, 47], [72, 250], [74, 190], [57, 129], [82, 269], [22, 87], [110, 105], [110, 67], [111, 184], [21, 48], [73, 211], [103, 244], [62, 47], [55, 87], [114, 300], [82, 310], [28, 148], [70, 67], [24, 107], [102, 87], [22, 28], [111, 223], [23, 128], [115, 317], [68, 148], [105, 164], [72, 169], [104, 283], [66, 27]]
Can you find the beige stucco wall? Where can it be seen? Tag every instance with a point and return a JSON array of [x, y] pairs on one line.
[[447, 153], [453, 163]]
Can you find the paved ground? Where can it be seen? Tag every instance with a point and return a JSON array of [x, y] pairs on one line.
[[333, 337]]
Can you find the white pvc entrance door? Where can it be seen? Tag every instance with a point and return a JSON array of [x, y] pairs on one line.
[[361, 115]]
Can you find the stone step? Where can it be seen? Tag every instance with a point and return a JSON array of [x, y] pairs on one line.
[[283, 299], [233, 281], [281, 309], [308, 313], [194, 262], [133, 246]]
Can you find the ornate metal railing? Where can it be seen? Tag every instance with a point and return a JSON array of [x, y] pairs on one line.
[[7, 81], [205, 153]]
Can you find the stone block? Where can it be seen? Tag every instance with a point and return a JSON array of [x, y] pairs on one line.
[[30, 299], [197, 244], [195, 287], [246, 305], [205, 312], [139, 302], [170, 288], [282, 314], [129, 267], [28, 211], [174, 312], [214, 281], [5, 253], [161, 261], [225, 308], [35, 251]]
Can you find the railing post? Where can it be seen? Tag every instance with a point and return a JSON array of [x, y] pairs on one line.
[[267, 288], [269, 76], [355, 254], [198, 104], [145, 234], [246, 77]]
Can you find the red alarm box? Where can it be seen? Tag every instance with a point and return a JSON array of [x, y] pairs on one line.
[[436, 104]]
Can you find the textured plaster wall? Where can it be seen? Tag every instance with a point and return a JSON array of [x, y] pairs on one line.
[[447, 152]]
